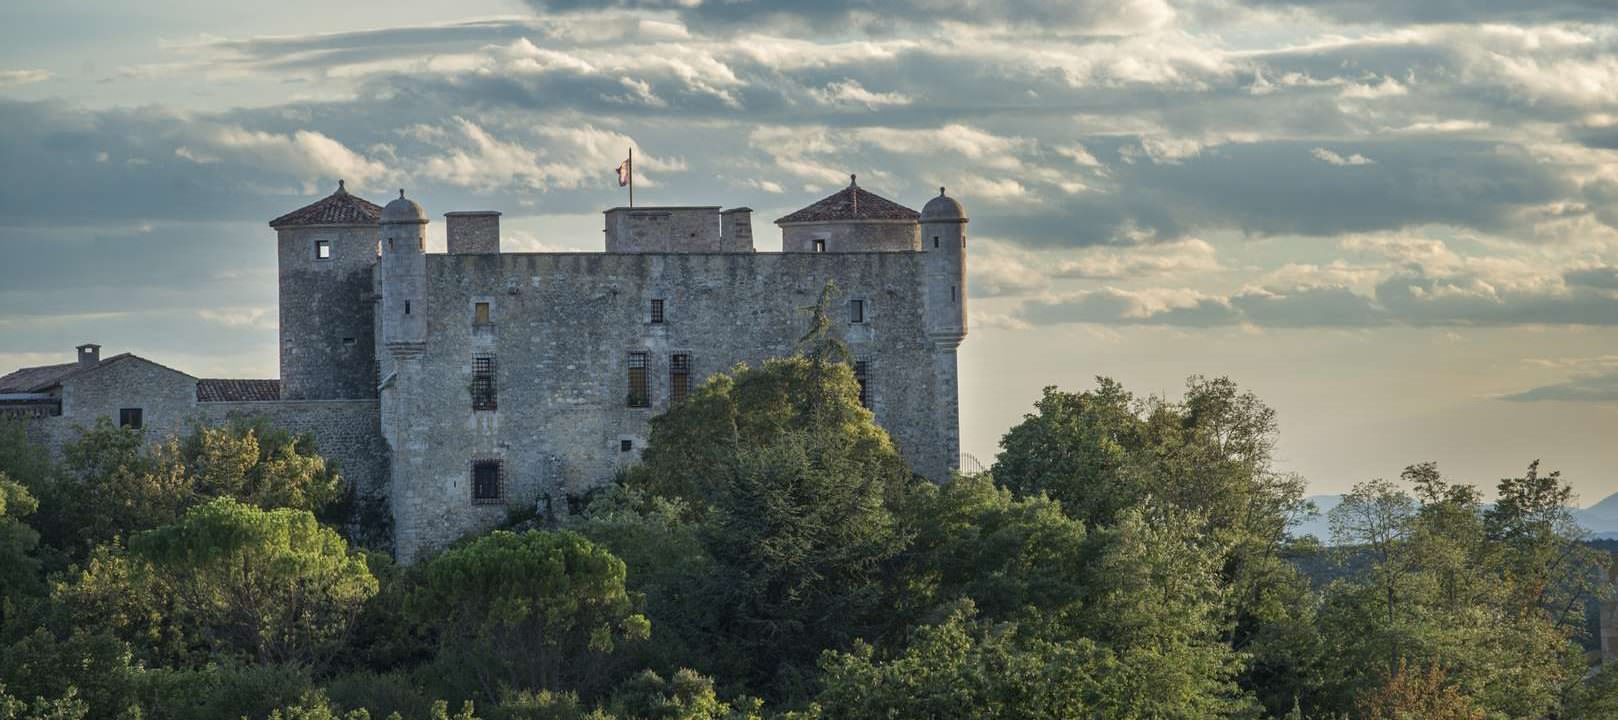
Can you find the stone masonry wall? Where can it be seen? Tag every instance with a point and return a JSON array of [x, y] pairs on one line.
[[563, 327], [327, 349], [671, 230], [868, 236]]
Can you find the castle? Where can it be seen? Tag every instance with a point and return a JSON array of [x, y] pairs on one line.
[[452, 388]]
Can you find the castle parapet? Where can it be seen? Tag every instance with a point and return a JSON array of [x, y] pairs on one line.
[[699, 229], [472, 232]]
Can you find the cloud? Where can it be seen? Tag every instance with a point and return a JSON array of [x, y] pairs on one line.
[[850, 92], [12, 78], [1601, 388], [1092, 16], [1335, 159]]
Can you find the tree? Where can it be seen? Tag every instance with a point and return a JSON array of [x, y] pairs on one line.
[[530, 611], [268, 586], [19, 566], [1417, 695], [260, 465]]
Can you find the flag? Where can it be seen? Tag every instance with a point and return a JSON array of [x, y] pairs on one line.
[[623, 173]]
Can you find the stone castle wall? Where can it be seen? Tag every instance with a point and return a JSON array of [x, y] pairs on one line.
[[849, 236], [563, 327], [327, 349]]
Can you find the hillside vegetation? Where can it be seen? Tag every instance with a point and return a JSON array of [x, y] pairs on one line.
[[773, 557]]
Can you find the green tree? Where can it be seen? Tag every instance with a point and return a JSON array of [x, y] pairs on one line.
[[19, 565], [530, 611], [260, 465], [66, 707], [269, 586]]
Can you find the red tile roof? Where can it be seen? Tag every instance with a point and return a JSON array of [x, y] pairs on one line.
[[852, 203], [338, 208], [229, 390]]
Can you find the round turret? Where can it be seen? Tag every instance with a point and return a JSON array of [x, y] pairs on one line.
[[942, 209], [403, 210]]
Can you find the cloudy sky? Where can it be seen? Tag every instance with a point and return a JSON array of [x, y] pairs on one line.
[[1395, 221]]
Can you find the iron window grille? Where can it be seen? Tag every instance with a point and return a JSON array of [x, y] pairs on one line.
[[862, 376], [483, 388], [679, 377], [488, 481], [657, 312], [639, 393]]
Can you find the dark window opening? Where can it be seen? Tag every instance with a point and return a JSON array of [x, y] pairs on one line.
[[407, 307], [963, 240], [820, 244], [862, 376], [626, 445], [483, 391], [487, 476], [679, 377], [322, 249], [856, 311], [132, 418], [348, 341], [935, 241], [480, 314], [952, 293], [657, 311], [639, 394]]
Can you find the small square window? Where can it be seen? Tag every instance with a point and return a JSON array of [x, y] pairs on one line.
[[626, 445], [820, 244], [856, 311], [132, 418], [487, 481], [322, 249], [657, 311], [480, 314]]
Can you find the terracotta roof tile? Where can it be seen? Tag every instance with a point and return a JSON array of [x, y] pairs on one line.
[[852, 203], [338, 208], [230, 390]]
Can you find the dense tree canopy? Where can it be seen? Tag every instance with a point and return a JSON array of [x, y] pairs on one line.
[[773, 557]]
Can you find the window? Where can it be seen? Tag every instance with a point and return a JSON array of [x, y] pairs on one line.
[[952, 293], [483, 391], [639, 396], [407, 307], [856, 311], [348, 341], [322, 249], [626, 445], [657, 311], [820, 244], [679, 377], [132, 418], [862, 375], [935, 241], [487, 479], [480, 314]]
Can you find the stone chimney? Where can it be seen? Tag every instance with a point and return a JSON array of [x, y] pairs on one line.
[[472, 232], [736, 230], [89, 355]]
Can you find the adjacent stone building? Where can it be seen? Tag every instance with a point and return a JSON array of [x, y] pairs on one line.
[[454, 388]]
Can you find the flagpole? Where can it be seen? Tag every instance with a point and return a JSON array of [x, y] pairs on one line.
[[632, 176]]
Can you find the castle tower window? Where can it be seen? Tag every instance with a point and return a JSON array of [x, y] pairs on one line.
[[480, 314], [132, 418], [322, 249], [626, 445], [862, 375], [407, 307], [856, 311], [483, 389], [935, 241], [488, 481], [820, 244], [657, 311], [639, 395], [679, 377]]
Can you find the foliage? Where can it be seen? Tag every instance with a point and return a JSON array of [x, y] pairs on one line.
[[66, 707], [228, 580], [19, 563], [1417, 695], [531, 610]]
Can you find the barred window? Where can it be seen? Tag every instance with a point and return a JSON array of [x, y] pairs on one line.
[[862, 375], [657, 311], [639, 394], [483, 389], [487, 481], [679, 377], [856, 311], [132, 418]]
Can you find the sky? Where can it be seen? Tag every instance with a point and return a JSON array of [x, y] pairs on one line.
[[1395, 222]]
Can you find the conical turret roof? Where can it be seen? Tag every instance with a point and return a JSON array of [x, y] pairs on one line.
[[338, 208]]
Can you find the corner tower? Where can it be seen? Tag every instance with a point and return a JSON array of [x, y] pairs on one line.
[[326, 254], [943, 245], [404, 277]]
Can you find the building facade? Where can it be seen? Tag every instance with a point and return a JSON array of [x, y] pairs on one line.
[[467, 384]]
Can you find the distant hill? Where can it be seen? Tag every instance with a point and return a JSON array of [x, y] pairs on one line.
[[1601, 519]]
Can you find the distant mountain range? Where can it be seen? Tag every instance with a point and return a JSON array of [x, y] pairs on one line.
[[1601, 519]]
